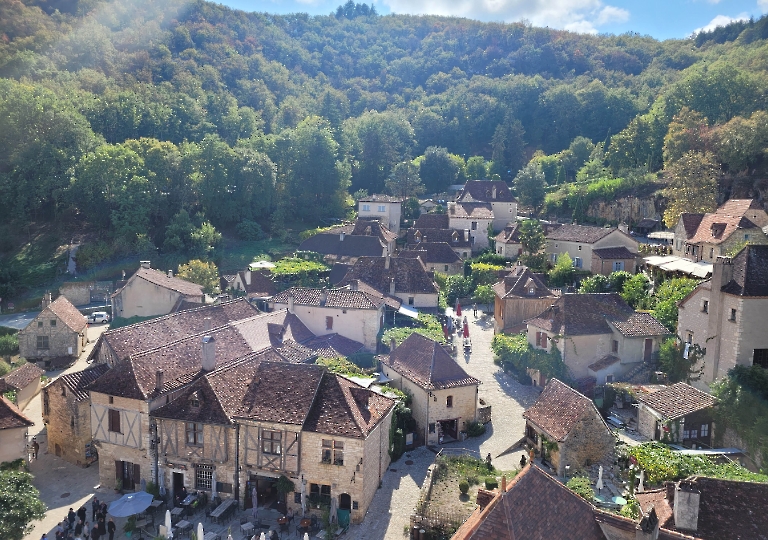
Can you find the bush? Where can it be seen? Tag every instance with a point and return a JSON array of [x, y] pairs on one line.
[[475, 429], [249, 230], [9, 344], [580, 486], [464, 487], [562, 273], [91, 254], [491, 482], [472, 480], [631, 510]]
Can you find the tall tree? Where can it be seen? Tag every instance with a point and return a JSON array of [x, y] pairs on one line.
[[404, 180], [532, 236], [477, 168], [688, 132], [437, 169], [530, 183], [691, 185]]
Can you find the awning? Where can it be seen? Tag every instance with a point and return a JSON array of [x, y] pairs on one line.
[[409, 311]]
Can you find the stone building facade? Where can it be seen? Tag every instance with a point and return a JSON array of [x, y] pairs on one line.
[[59, 330], [520, 296], [386, 208], [150, 292], [578, 241]]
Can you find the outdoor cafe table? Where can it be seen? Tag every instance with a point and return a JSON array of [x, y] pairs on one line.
[[211, 536], [246, 528], [184, 526], [222, 509], [156, 504], [177, 512]]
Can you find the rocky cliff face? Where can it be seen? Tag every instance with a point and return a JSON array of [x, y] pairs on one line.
[[628, 209]]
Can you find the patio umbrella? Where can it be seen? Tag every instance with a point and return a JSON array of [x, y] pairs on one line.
[[229, 537], [306, 536], [641, 488], [303, 497], [200, 532], [263, 536], [169, 534], [466, 329], [161, 479], [255, 501], [130, 504], [213, 485], [458, 309], [332, 513], [599, 484]]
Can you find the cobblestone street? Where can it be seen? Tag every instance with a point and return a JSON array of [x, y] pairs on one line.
[[388, 515]]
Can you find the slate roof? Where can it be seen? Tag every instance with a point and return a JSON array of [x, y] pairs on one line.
[[482, 190], [78, 381], [261, 285], [604, 362], [22, 376], [579, 233], [453, 237], [338, 271], [11, 417], [67, 313], [432, 252], [161, 279], [613, 253], [331, 298], [345, 409], [409, 274], [470, 210], [518, 282], [350, 246], [750, 272], [677, 400], [640, 325], [365, 227], [382, 198], [426, 363], [333, 346], [432, 221], [389, 301], [558, 409]]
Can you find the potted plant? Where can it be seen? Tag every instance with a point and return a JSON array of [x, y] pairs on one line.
[[119, 485], [130, 526]]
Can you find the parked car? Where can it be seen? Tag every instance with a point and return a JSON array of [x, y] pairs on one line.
[[98, 317], [616, 421]]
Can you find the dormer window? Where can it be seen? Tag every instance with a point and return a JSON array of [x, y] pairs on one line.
[[531, 290], [195, 402]]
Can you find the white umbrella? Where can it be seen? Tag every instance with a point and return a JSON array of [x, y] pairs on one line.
[[200, 532], [303, 497], [168, 529], [599, 484], [332, 512], [229, 537], [263, 536], [640, 487], [306, 536], [161, 479], [255, 501], [213, 485]]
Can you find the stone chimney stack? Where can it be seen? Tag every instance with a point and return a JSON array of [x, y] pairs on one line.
[[290, 302], [323, 297], [722, 272], [686, 508], [209, 353], [648, 528], [386, 262], [207, 324], [391, 345], [248, 277], [47, 299], [353, 285], [170, 273], [623, 227], [144, 264], [503, 478], [392, 287], [159, 380]]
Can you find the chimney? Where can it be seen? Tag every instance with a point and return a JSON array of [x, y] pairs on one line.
[[341, 236], [392, 287], [323, 297], [648, 528], [290, 302], [466, 235], [248, 277], [386, 262], [47, 299], [353, 285], [391, 344], [722, 272], [623, 227], [670, 487], [159, 380], [493, 192], [686, 508], [503, 478], [170, 273], [207, 324], [209, 353], [144, 264]]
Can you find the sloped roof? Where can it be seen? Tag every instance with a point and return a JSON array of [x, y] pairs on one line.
[[11, 417], [482, 190], [161, 279], [690, 223], [718, 227], [333, 345], [613, 253], [350, 246], [365, 227], [432, 252], [426, 363], [209, 411], [677, 400], [518, 283], [22, 376], [338, 271], [750, 272], [410, 275], [382, 198], [261, 285], [389, 301], [604, 362], [510, 234], [640, 325], [78, 381], [470, 210], [453, 237], [579, 233], [558, 409], [346, 409], [331, 298], [67, 313], [432, 221], [583, 314]]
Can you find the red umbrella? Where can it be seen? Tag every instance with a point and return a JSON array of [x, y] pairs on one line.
[[458, 309], [466, 330]]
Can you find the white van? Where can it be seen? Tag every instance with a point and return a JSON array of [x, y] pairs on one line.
[[98, 317]]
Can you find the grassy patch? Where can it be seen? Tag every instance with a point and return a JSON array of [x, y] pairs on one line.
[[238, 254]]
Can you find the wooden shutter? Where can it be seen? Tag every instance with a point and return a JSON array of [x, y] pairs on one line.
[[538, 339], [544, 340], [118, 470]]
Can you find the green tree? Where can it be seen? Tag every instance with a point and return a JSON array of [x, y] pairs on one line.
[[477, 168], [692, 186], [20, 504], [635, 290], [617, 279], [741, 143], [678, 364], [191, 237], [667, 295], [530, 184], [532, 236], [594, 284], [687, 132], [404, 180], [562, 273], [582, 487], [437, 169], [203, 273], [484, 295]]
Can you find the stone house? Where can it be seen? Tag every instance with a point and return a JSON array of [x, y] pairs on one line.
[[725, 315], [25, 381], [474, 217], [67, 415], [437, 257], [563, 416], [444, 396], [13, 431], [507, 242], [520, 295], [586, 328], [494, 192], [255, 285], [386, 208], [403, 278], [150, 292], [580, 242], [613, 259], [704, 237], [59, 330], [459, 241], [679, 413], [341, 245]]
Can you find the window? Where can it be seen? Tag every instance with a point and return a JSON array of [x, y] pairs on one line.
[[432, 427], [195, 403], [531, 290], [53, 322], [541, 340], [746, 237], [366, 208], [411, 300], [705, 306], [194, 433], [694, 434], [614, 346], [711, 253], [577, 263], [464, 255], [733, 315], [382, 208], [39, 324], [320, 493], [618, 266], [608, 379], [449, 401], [333, 452], [329, 323], [474, 225], [203, 477], [445, 268], [686, 434], [114, 421], [271, 442], [42, 342], [760, 358], [111, 400], [704, 430]]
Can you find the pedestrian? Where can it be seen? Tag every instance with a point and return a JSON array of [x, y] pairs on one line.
[[94, 508], [102, 527], [474, 309], [44, 537], [523, 461], [82, 514], [111, 529], [86, 530], [71, 517], [95, 532], [103, 509], [35, 447], [79, 530]]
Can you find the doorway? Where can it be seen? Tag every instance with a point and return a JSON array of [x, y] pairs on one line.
[[345, 501], [129, 474], [448, 429], [648, 350], [178, 483]]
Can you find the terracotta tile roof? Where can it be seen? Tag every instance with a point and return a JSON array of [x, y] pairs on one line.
[[382, 198], [346, 409], [11, 417], [470, 210], [583, 314], [295, 353], [22, 376], [365, 227], [155, 333], [331, 298], [558, 409], [209, 410], [432, 221], [677, 400], [161, 279], [67, 313], [482, 190], [604, 362], [690, 223], [390, 301], [658, 499], [261, 285], [432, 252], [613, 253], [750, 272], [453, 237], [350, 246], [78, 381], [738, 206], [510, 234], [640, 325], [409, 274], [518, 284], [579, 233], [718, 227], [333, 346], [427, 364]]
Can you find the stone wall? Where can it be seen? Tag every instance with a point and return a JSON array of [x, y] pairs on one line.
[[589, 442], [13, 444], [62, 340], [68, 423], [77, 292]]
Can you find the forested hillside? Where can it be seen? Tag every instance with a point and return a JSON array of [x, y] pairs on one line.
[[158, 123]]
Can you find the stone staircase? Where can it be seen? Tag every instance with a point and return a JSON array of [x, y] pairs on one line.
[[639, 374]]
